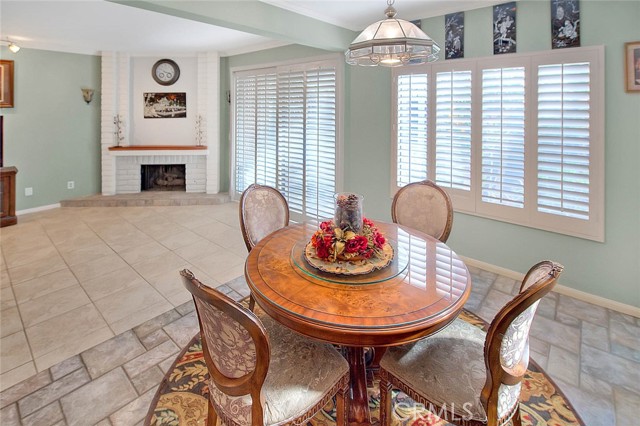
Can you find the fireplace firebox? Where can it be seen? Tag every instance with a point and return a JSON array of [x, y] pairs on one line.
[[163, 177]]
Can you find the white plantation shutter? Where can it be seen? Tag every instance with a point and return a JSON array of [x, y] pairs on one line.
[[411, 128], [564, 137], [291, 105], [246, 97], [503, 136], [453, 130], [518, 139], [287, 138], [266, 144], [320, 155]]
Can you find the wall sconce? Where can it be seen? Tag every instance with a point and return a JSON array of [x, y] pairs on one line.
[[87, 94], [12, 46]]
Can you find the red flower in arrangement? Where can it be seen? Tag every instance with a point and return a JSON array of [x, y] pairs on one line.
[[323, 251], [333, 243], [356, 244], [327, 226]]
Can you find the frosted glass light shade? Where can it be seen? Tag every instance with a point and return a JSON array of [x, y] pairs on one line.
[[392, 42]]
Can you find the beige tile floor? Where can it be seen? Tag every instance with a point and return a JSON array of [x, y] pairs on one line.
[[81, 280], [74, 277]]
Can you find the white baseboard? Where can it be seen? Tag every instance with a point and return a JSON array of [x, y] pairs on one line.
[[38, 209], [560, 289]]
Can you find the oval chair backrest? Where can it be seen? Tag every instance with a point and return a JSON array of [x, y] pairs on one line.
[[507, 343], [263, 210], [234, 343], [424, 206]]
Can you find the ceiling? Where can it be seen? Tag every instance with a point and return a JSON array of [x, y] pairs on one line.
[[92, 26]]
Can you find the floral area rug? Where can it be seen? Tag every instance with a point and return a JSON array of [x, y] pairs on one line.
[[181, 399]]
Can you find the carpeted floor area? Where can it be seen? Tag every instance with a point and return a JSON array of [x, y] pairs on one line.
[[181, 398]]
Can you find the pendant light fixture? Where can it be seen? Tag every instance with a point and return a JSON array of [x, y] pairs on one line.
[[392, 42]]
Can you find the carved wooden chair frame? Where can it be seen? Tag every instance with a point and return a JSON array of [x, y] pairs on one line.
[[251, 383], [496, 373], [449, 223]]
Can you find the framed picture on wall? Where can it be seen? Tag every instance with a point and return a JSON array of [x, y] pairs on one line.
[[565, 23], [454, 30], [6, 84], [632, 66], [504, 28], [165, 105]]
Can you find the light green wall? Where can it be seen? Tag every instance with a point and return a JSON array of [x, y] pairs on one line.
[[51, 135], [610, 269]]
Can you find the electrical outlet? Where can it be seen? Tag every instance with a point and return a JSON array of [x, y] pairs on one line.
[[71, 184], [28, 192]]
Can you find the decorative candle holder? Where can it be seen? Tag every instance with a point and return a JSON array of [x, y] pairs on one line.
[[118, 130], [348, 214], [199, 130]]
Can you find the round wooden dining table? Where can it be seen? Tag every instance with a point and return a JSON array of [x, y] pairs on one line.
[[420, 292]]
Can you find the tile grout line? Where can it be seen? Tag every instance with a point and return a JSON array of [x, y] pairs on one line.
[[24, 329]]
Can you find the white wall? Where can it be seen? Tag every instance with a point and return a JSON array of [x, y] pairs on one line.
[[163, 131]]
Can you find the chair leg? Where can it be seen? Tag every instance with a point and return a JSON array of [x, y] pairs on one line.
[[385, 402], [342, 405], [516, 420], [212, 416], [252, 302]]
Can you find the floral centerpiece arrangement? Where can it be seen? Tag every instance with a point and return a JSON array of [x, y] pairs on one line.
[[332, 243], [350, 244]]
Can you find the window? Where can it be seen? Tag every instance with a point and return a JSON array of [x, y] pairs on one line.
[[411, 109], [453, 129], [563, 139], [503, 104], [518, 138], [285, 134]]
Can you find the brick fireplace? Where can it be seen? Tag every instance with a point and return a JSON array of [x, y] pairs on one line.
[[129, 141], [129, 171]]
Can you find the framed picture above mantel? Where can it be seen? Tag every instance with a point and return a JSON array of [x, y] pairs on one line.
[[165, 105], [6, 84]]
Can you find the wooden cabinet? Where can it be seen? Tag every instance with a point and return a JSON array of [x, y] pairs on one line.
[[8, 196]]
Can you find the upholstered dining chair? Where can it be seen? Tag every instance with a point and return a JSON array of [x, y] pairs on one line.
[[424, 206], [466, 376], [263, 210], [260, 372]]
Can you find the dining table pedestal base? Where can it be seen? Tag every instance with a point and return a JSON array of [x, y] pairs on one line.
[[359, 399]]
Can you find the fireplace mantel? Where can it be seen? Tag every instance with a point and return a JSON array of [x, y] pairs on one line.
[[137, 150]]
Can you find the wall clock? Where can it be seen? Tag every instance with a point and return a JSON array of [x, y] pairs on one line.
[[165, 72]]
